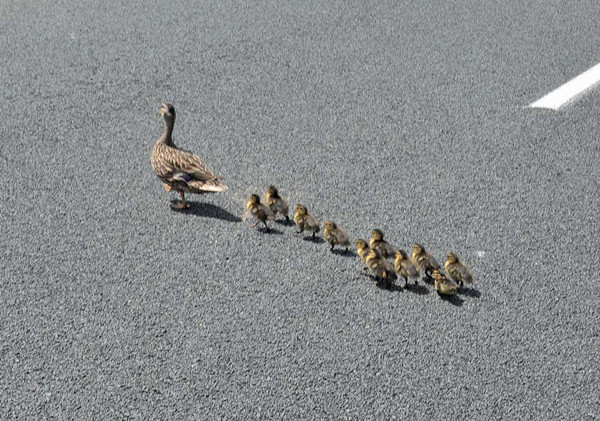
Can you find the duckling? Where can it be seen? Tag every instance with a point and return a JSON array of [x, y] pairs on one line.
[[277, 204], [424, 261], [362, 248], [381, 267], [383, 247], [305, 221], [458, 271], [180, 170], [336, 235], [259, 211], [443, 285], [405, 267]]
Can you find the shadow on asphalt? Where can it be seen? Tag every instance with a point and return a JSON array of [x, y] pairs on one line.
[[388, 287], [417, 289], [208, 210], [284, 222], [469, 292], [455, 300], [343, 252], [316, 240], [271, 230]]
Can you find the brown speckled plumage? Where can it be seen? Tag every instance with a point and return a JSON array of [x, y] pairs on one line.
[[178, 169]]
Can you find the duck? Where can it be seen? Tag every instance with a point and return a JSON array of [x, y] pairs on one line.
[[180, 170], [458, 271], [383, 247], [336, 235], [424, 261], [305, 221], [381, 267], [405, 267], [277, 204], [443, 285], [259, 211]]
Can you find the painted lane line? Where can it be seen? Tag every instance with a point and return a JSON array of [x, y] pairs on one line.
[[569, 90]]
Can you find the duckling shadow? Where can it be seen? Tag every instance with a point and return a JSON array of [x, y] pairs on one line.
[[388, 287], [343, 252], [316, 240], [208, 210], [455, 300], [284, 222], [272, 231], [418, 289], [469, 292], [392, 287]]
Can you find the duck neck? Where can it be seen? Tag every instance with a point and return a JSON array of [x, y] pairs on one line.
[[167, 134]]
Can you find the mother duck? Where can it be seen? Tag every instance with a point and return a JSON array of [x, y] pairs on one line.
[[178, 169]]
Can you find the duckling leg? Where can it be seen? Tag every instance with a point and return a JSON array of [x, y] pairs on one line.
[[267, 229], [405, 282], [314, 233], [331, 249], [183, 204], [167, 187], [287, 220]]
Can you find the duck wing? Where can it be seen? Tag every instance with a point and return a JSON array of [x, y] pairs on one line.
[[188, 167]]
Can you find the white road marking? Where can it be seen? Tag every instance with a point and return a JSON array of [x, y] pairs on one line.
[[560, 96]]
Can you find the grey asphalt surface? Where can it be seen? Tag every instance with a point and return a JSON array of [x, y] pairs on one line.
[[401, 116]]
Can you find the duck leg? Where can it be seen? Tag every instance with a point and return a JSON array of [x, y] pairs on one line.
[[183, 204]]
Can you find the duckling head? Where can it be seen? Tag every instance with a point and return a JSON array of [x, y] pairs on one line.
[[361, 244], [401, 255], [330, 225], [273, 190], [254, 199], [301, 209], [452, 258], [377, 235], [418, 248], [438, 275]]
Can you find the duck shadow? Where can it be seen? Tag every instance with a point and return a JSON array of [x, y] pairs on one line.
[[455, 300], [469, 292], [284, 222], [417, 289], [343, 252], [208, 210]]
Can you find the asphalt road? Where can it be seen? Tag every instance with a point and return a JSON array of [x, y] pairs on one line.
[[404, 116]]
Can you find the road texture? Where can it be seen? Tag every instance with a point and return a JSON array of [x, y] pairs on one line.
[[399, 115]]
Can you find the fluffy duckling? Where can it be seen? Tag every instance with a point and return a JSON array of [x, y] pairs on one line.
[[362, 248], [180, 170], [443, 285], [383, 247], [259, 211], [458, 271], [277, 204], [335, 235], [305, 221], [424, 261], [381, 267], [405, 267]]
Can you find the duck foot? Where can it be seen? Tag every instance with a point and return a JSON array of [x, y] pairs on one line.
[[180, 206]]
